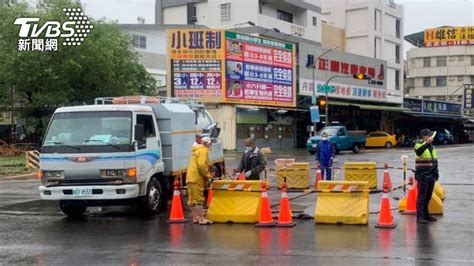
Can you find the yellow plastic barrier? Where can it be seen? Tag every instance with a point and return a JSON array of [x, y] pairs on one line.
[[436, 205], [439, 190], [297, 175], [361, 171], [345, 202], [235, 201]]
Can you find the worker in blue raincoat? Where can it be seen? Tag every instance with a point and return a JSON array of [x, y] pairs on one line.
[[325, 153]]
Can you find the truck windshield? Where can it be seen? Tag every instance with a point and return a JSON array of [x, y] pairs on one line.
[[332, 131], [79, 129]]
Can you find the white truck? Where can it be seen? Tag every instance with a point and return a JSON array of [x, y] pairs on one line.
[[121, 151]]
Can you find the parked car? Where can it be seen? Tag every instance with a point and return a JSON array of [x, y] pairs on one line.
[[381, 139], [342, 138], [444, 136]]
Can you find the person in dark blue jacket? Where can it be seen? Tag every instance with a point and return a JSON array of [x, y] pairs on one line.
[[325, 153]]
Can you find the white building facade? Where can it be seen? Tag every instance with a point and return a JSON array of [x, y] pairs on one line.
[[439, 73], [150, 42], [374, 28], [289, 17]]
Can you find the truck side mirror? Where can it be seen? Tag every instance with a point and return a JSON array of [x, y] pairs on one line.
[[139, 133]]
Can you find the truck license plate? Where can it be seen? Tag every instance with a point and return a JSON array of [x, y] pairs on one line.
[[82, 192]]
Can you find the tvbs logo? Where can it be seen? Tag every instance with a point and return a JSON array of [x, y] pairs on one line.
[[72, 32]]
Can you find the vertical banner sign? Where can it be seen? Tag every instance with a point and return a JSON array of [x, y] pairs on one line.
[[314, 111], [259, 71], [196, 64]]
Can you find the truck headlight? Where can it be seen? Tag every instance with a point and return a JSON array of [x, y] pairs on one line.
[[113, 173], [54, 174], [309, 141]]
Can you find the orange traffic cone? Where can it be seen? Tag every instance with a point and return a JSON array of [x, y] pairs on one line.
[[387, 181], [318, 177], [266, 219], [209, 196], [176, 215], [385, 217], [411, 198], [242, 176], [284, 215], [415, 187]]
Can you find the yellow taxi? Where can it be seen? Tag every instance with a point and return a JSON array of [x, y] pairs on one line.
[[380, 139]]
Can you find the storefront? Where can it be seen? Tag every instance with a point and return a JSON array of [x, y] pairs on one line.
[[435, 115]]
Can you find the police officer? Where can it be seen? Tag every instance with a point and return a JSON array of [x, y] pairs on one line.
[[426, 174]]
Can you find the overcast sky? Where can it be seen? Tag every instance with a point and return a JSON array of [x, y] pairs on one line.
[[419, 14]]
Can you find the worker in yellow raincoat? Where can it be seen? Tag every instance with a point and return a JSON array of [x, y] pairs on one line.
[[197, 177]]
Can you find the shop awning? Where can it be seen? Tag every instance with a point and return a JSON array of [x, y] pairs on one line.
[[339, 103], [268, 107], [369, 106], [446, 116], [382, 107]]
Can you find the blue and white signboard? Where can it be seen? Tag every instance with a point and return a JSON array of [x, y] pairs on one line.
[[314, 111]]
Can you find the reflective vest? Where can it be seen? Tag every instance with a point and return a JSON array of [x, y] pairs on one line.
[[427, 159]]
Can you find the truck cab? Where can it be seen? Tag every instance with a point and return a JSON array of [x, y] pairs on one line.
[[117, 154], [341, 138]]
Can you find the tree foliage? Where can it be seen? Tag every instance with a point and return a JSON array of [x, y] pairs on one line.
[[104, 65]]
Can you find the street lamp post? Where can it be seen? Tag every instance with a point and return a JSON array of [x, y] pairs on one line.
[[314, 82]]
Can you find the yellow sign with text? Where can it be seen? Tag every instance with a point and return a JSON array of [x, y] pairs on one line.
[[449, 36]]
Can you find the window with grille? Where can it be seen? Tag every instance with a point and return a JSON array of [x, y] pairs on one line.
[[397, 79], [397, 54], [441, 61], [427, 62], [440, 81], [427, 82], [397, 28], [225, 11], [285, 16], [139, 41]]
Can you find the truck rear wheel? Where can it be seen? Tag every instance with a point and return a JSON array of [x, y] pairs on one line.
[[355, 149], [312, 152], [72, 209], [154, 199]]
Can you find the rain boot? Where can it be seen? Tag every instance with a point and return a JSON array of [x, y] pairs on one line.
[[202, 220], [195, 214]]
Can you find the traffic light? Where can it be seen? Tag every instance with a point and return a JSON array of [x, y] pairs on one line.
[[310, 60], [322, 101], [361, 76]]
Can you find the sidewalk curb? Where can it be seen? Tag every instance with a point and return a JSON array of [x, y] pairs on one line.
[[32, 175]]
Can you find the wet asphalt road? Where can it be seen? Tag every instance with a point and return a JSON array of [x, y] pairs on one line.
[[35, 232]]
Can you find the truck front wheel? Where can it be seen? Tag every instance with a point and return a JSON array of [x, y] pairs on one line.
[[154, 199], [72, 209], [355, 149]]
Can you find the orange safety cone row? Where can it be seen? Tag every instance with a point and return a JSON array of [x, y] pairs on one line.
[[242, 176], [266, 219], [209, 196], [318, 177], [176, 215], [387, 181], [284, 215], [385, 217], [411, 198]]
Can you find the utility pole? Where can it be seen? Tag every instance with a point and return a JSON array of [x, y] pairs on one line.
[[312, 63]]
